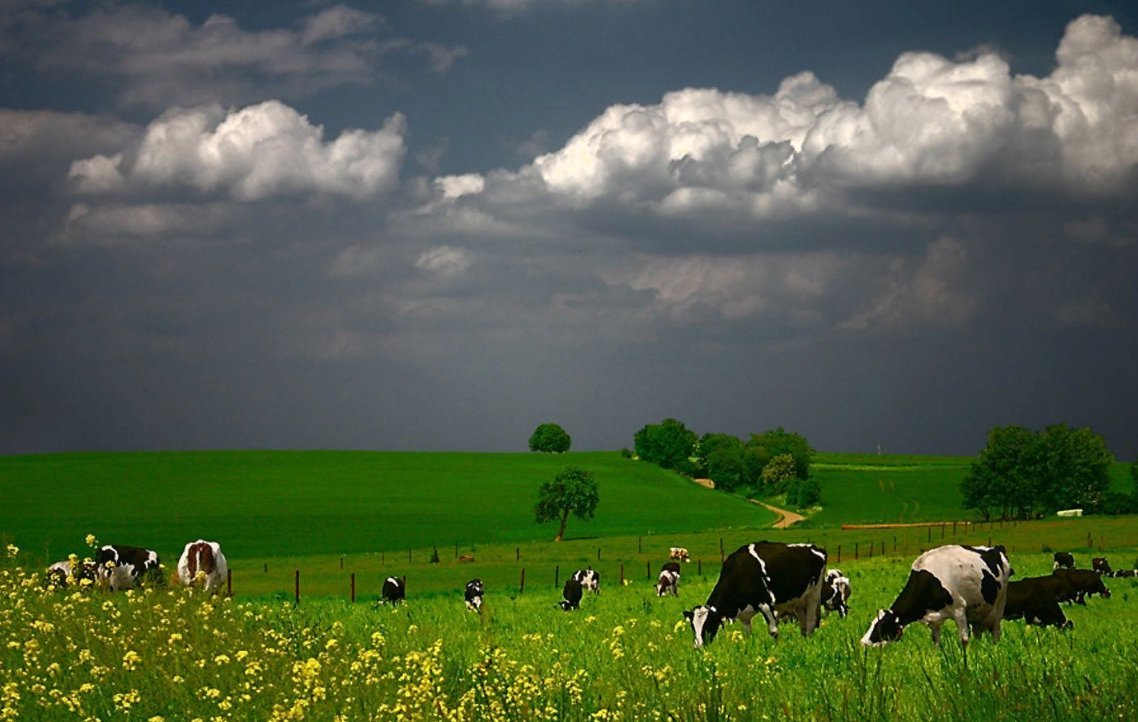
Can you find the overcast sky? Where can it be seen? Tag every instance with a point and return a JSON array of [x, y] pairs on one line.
[[433, 224]]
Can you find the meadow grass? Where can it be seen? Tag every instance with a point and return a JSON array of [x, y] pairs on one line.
[[264, 503], [624, 655]]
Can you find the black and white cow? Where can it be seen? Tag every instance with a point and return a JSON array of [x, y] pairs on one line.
[[394, 591], [964, 583], [764, 578], [836, 592], [589, 579], [1081, 583], [571, 595], [1126, 573], [118, 566], [668, 583], [1063, 560], [1101, 566], [66, 572], [1036, 601], [473, 594]]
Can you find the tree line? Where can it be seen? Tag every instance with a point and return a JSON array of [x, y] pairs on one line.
[[1025, 474]]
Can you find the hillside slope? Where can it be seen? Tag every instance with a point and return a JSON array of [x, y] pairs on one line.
[[262, 503]]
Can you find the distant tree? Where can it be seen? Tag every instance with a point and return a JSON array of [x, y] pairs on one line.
[[550, 438], [668, 444], [999, 481], [720, 458], [779, 470], [803, 493], [1021, 473], [573, 490], [770, 444]]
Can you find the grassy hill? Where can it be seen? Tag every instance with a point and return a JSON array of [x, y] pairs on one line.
[[263, 504]]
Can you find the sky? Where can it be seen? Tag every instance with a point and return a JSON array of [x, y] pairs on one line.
[[436, 224]]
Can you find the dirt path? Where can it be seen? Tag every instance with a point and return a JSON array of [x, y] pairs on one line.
[[786, 519]]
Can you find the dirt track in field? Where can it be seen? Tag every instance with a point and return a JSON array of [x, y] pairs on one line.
[[786, 518]]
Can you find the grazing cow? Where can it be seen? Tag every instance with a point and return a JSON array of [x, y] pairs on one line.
[[679, 554], [968, 584], [571, 595], [765, 578], [1101, 566], [474, 591], [118, 566], [203, 563], [668, 582], [394, 591], [1036, 601], [59, 573], [589, 579], [1063, 560], [836, 592], [1081, 583], [1126, 573]]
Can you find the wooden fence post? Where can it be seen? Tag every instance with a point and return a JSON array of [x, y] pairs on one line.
[[266, 567], [517, 554], [882, 547], [353, 587], [622, 574], [639, 545], [341, 561], [298, 586], [699, 567], [839, 554], [598, 554], [522, 583], [556, 576], [229, 582], [647, 569]]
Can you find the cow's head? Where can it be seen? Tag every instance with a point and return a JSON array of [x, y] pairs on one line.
[[885, 628], [705, 623]]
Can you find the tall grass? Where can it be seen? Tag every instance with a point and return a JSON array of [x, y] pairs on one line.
[[624, 655]]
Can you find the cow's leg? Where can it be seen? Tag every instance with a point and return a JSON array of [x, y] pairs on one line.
[[935, 628], [772, 619], [962, 626], [808, 618]]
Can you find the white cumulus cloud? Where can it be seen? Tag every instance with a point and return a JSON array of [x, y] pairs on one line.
[[252, 153]]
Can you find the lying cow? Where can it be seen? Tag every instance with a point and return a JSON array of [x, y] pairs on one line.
[[589, 579], [964, 583], [1081, 584], [70, 571], [679, 554], [570, 595], [394, 591], [836, 592], [473, 595], [203, 563], [764, 578], [668, 582], [1036, 601], [1063, 560], [118, 566]]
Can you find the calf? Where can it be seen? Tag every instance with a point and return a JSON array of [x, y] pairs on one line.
[[203, 563], [668, 582], [1102, 566], [765, 578], [1036, 601], [118, 566], [589, 579], [473, 595], [571, 595], [1081, 584], [836, 592], [679, 554], [1063, 560], [394, 591], [968, 584]]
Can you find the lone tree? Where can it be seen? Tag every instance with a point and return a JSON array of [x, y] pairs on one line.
[[573, 490], [550, 438]]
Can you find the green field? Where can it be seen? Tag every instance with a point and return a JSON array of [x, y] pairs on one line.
[[172, 655], [299, 503]]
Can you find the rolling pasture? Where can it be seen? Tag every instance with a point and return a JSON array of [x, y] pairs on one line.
[[173, 655]]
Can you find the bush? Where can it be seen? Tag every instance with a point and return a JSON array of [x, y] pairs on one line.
[[803, 493]]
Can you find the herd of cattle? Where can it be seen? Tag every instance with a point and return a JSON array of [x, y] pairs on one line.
[[970, 585]]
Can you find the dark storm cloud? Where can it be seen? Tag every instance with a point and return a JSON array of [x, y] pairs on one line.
[[250, 259]]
